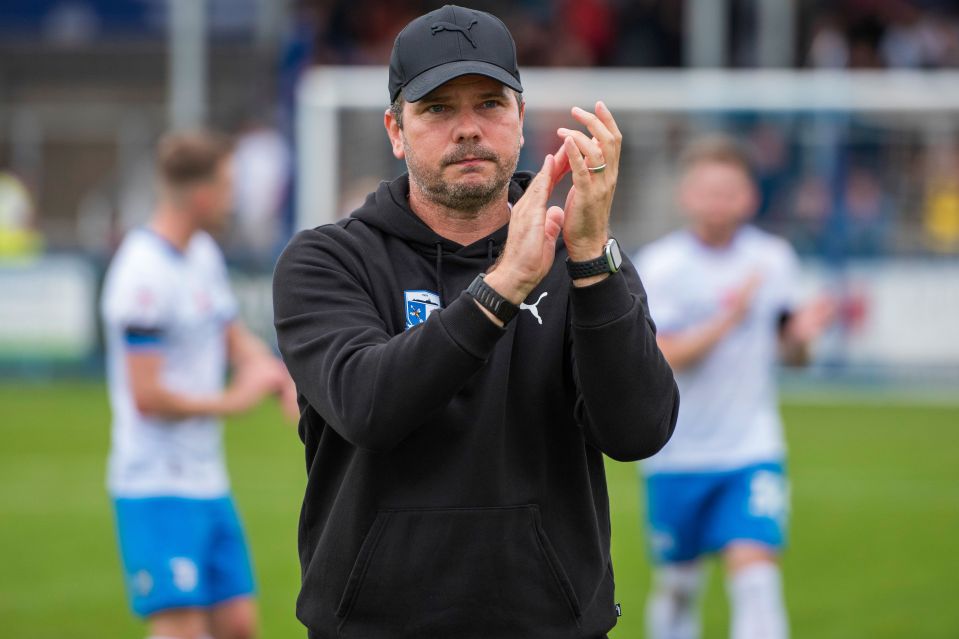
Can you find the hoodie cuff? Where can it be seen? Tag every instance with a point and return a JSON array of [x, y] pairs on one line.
[[600, 303], [470, 328]]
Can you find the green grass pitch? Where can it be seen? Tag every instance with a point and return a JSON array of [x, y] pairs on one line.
[[874, 538]]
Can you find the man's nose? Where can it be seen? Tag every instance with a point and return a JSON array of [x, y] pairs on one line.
[[467, 127]]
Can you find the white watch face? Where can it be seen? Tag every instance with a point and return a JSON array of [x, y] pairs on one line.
[[613, 255]]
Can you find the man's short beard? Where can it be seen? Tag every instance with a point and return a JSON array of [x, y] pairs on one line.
[[466, 199]]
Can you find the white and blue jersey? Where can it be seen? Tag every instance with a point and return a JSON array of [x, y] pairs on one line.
[[728, 414], [179, 304], [181, 542], [720, 479]]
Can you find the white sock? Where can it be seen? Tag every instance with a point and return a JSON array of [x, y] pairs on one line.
[[672, 611], [756, 598]]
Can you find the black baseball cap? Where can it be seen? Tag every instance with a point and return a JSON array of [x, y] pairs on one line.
[[447, 43]]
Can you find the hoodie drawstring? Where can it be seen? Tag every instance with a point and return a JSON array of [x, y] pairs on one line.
[[490, 259], [439, 270]]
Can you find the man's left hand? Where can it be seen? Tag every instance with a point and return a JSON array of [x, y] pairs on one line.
[[588, 204]]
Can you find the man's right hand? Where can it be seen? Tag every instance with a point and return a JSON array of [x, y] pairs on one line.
[[531, 242]]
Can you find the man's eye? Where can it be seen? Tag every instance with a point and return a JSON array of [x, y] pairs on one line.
[[491, 104], [436, 108]]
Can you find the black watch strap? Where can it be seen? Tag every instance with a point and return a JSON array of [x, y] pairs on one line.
[[503, 309], [579, 270], [608, 262]]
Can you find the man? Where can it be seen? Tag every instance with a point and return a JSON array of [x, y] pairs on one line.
[[171, 328], [459, 381], [723, 295]]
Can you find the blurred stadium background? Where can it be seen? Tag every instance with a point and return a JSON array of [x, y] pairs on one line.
[[850, 109]]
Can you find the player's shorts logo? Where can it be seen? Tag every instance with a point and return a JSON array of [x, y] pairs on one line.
[[768, 495], [142, 583], [661, 542], [186, 575], [419, 305]]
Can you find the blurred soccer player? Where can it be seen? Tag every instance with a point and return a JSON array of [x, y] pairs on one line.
[[171, 331], [723, 295]]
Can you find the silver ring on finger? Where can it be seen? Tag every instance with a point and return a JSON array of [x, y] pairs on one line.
[[597, 169]]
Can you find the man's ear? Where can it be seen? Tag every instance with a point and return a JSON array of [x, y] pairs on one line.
[[522, 114], [395, 133]]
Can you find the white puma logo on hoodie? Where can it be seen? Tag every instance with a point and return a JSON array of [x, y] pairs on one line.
[[532, 307]]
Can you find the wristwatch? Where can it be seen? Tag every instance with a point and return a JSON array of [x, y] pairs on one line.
[[503, 309], [609, 262]]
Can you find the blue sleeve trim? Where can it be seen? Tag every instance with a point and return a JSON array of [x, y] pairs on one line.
[[136, 337]]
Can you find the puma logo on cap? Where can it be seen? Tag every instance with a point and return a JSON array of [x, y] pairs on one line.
[[436, 27]]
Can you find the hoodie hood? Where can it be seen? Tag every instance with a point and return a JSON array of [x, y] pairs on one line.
[[388, 210]]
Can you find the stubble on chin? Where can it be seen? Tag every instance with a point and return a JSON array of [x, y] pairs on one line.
[[465, 199]]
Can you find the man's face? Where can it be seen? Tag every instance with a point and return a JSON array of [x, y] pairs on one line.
[[718, 195], [461, 142], [213, 199]]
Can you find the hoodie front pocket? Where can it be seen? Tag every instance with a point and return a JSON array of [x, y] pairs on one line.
[[465, 572]]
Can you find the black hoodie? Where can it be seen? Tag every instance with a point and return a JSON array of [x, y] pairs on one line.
[[456, 484]]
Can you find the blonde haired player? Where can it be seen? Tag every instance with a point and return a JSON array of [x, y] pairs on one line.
[[724, 297], [172, 331]]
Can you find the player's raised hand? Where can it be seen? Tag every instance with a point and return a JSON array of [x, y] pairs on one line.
[[811, 320], [531, 242], [594, 163], [739, 301]]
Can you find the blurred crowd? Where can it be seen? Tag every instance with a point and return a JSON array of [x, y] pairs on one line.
[[864, 198], [859, 34], [885, 188], [547, 33], [875, 34]]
